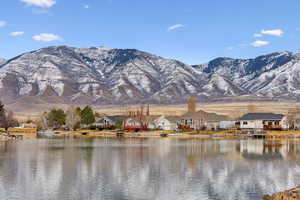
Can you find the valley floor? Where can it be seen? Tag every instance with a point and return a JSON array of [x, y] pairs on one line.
[[233, 110]]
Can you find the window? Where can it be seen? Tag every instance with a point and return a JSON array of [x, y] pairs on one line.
[[245, 123], [270, 123], [277, 123]]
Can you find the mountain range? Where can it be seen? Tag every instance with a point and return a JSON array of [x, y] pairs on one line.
[[101, 75]]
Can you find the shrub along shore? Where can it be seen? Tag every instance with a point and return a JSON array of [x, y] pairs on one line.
[[291, 194]]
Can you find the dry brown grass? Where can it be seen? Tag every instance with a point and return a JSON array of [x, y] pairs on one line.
[[233, 110]]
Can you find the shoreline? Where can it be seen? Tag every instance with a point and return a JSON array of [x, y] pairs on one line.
[[287, 194], [171, 134], [221, 134]]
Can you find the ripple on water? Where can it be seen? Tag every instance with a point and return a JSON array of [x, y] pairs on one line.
[[146, 169]]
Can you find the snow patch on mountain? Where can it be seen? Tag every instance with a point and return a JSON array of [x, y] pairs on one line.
[[105, 75]]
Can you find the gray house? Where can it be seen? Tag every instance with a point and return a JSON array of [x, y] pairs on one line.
[[108, 121]]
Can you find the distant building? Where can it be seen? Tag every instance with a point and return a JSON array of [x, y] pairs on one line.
[[228, 124], [138, 123], [28, 125], [293, 118], [167, 122], [263, 121], [109, 121], [201, 120]]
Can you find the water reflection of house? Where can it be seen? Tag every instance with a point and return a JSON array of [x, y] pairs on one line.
[[263, 121], [262, 149], [201, 120]]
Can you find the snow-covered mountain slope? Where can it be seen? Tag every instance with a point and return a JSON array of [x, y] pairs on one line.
[[2, 61], [272, 76], [104, 76]]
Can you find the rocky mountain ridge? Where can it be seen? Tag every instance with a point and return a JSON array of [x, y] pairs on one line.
[[100, 75]]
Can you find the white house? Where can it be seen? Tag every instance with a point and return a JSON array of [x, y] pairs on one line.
[[263, 121], [167, 122], [140, 122], [227, 124]]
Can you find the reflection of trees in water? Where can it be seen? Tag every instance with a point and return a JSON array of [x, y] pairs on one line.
[[145, 169]]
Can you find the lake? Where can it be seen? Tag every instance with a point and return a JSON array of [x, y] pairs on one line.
[[140, 169]]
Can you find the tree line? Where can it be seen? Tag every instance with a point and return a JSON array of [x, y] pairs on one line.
[[73, 118], [7, 119]]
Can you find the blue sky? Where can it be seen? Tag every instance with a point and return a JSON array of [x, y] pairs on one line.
[[193, 31]]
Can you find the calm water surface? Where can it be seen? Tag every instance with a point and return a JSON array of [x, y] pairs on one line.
[[154, 169]]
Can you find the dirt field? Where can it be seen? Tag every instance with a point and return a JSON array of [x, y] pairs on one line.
[[233, 110]]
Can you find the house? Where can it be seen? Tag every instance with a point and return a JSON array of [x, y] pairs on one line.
[[263, 121], [201, 120], [109, 121], [28, 125], [167, 122], [228, 125], [139, 123], [293, 117]]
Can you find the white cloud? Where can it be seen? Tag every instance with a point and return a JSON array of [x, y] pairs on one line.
[[275, 32], [230, 48], [40, 3], [3, 23], [46, 37], [259, 43], [17, 33], [257, 35], [86, 6], [176, 26]]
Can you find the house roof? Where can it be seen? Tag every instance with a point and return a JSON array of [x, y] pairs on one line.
[[145, 119], [172, 118], [206, 116], [262, 116], [112, 118]]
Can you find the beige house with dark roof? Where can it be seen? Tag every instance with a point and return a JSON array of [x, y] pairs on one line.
[[202, 120]]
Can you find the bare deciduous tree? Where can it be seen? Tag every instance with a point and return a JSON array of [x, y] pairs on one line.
[[73, 117], [192, 101]]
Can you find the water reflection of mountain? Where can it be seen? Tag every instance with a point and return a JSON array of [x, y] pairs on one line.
[[146, 169]]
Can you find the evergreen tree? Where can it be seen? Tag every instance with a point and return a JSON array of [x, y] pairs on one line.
[[56, 118], [87, 116]]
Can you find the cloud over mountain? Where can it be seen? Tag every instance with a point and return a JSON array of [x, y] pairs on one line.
[[46, 37]]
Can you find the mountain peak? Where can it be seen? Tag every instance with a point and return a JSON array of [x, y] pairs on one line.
[[101, 75]]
